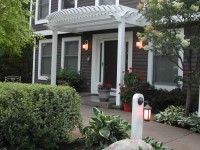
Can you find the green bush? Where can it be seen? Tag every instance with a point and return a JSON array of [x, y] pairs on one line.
[[71, 78], [105, 129], [160, 99], [37, 116]]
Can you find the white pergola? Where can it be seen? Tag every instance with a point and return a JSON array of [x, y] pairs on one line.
[[90, 18]]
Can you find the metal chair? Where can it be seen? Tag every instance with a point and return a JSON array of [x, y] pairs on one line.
[[12, 78]]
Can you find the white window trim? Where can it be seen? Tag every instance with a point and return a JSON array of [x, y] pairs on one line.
[[40, 77], [97, 2], [36, 13], [151, 68], [60, 3], [63, 50]]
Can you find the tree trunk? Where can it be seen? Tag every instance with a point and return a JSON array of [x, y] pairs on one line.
[[188, 99]]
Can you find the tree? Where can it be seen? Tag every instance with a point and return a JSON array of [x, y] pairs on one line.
[[15, 31], [165, 17]]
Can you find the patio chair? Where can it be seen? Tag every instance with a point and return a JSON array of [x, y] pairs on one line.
[[12, 78]]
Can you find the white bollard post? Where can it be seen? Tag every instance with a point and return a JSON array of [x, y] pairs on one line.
[[137, 116], [199, 103]]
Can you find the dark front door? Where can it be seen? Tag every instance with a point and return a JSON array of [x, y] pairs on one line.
[[110, 62]]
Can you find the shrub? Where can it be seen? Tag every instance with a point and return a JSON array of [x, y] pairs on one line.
[[71, 78], [156, 145], [105, 129], [160, 99], [132, 83], [37, 116], [171, 115]]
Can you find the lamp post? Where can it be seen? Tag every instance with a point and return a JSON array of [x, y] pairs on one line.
[[139, 113]]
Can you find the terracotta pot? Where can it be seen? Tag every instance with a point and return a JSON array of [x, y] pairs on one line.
[[104, 95], [127, 107]]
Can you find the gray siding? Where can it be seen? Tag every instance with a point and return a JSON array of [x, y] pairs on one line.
[[86, 3], [129, 3]]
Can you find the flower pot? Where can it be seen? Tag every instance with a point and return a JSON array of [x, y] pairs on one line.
[[104, 94], [127, 107]]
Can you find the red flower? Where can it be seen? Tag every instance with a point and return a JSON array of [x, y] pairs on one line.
[[119, 84], [131, 88], [123, 72], [119, 93], [127, 71], [141, 78], [131, 68], [125, 91]]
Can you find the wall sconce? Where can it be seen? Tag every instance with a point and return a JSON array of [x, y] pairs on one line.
[[139, 44], [147, 113], [85, 45]]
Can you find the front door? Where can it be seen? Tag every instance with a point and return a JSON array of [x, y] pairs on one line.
[[110, 62]]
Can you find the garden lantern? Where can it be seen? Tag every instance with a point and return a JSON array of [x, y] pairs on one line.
[[147, 113]]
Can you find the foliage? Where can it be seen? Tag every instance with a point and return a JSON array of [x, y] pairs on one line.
[[104, 86], [71, 78], [160, 99], [15, 31], [165, 17], [105, 129], [194, 122], [37, 116], [156, 145], [171, 115], [17, 65], [132, 84], [175, 116]]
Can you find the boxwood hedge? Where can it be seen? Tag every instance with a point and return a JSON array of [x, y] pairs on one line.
[[34, 116]]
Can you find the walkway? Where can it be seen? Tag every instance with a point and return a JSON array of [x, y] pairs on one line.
[[173, 137]]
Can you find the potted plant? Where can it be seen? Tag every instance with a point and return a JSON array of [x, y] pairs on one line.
[[132, 83], [104, 91]]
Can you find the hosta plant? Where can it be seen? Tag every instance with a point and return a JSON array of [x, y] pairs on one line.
[[171, 115], [194, 122], [104, 130], [155, 144]]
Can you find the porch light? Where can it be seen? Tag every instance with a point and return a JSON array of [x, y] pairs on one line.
[[85, 45], [139, 44], [147, 113]]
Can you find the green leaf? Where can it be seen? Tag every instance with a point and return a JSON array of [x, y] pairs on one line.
[[96, 111], [104, 132], [113, 139], [98, 122]]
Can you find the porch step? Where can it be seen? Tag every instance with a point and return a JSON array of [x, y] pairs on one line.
[[93, 100]]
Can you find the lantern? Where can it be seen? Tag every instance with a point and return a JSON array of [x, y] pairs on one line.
[[147, 113], [139, 44], [85, 45]]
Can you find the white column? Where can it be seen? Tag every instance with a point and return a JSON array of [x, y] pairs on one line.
[[33, 69], [137, 117], [54, 58], [120, 58], [199, 103]]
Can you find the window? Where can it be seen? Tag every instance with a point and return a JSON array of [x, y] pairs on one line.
[[44, 66], [107, 2], [65, 4], [43, 9], [165, 71], [71, 53]]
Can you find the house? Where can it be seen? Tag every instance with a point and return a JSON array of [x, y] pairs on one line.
[[97, 38]]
